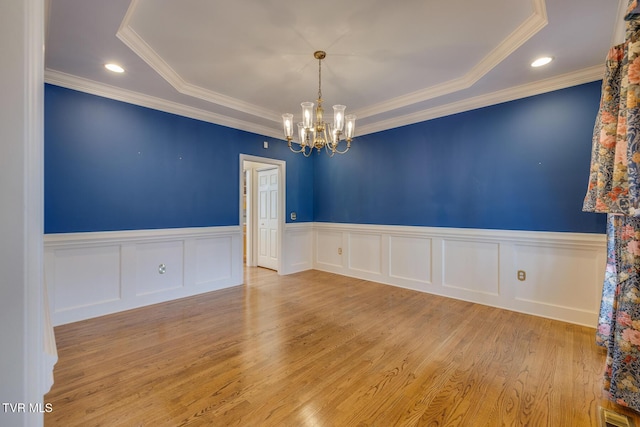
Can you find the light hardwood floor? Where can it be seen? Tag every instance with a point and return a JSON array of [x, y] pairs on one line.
[[318, 349]]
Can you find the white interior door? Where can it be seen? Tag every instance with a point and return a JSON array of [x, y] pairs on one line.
[[268, 218]]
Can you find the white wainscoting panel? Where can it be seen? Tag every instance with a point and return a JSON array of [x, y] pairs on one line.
[[93, 274], [564, 271], [365, 253], [213, 260], [329, 250], [159, 267], [549, 270], [471, 266], [77, 268], [410, 259], [297, 245]]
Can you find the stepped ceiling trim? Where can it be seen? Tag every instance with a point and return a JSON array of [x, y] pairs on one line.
[[527, 29], [241, 64], [556, 83]]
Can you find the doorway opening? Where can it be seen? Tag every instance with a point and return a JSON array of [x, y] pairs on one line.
[[262, 210]]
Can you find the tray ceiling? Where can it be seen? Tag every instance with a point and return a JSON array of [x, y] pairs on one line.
[[244, 63]]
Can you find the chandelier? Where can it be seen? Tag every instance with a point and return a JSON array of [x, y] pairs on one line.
[[317, 133]]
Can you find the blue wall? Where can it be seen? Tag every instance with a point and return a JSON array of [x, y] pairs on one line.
[[521, 165], [110, 165]]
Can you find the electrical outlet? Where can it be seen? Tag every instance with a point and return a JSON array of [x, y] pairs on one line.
[[522, 275], [339, 251]]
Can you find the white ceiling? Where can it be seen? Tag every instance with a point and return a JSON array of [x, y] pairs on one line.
[[243, 63]]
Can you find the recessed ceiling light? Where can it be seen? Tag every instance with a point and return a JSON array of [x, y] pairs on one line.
[[541, 61], [114, 67]]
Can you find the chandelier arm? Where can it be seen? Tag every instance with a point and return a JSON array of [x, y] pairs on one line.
[[294, 150], [303, 150], [345, 150]]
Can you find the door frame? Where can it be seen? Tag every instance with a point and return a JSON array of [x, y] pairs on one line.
[[251, 232]]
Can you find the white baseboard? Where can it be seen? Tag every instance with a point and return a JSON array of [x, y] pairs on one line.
[[564, 271]]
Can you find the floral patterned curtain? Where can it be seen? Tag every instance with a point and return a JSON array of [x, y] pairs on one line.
[[614, 188]]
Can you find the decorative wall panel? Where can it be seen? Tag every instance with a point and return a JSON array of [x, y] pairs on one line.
[[329, 250], [213, 260], [410, 258], [563, 271], [159, 267], [93, 274], [558, 278], [471, 266], [365, 252], [298, 245]]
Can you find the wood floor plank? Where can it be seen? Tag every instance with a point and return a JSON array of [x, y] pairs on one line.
[[320, 349]]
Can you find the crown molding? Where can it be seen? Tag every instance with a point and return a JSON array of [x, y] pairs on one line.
[[620, 26], [548, 85], [142, 49], [517, 92], [107, 91], [531, 26]]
